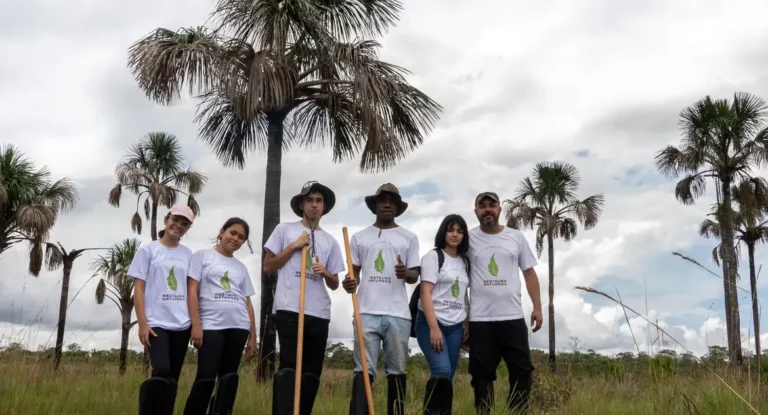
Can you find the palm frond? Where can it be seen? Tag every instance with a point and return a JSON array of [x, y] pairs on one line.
[[164, 60], [136, 223], [101, 291], [567, 228], [54, 256], [224, 127], [147, 208], [556, 181], [36, 257], [717, 255], [690, 188], [3, 191], [519, 215], [347, 19], [132, 177], [749, 115], [709, 229], [541, 233], [61, 196], [192, 203], [192, 181], [35, 219], [114, 195]]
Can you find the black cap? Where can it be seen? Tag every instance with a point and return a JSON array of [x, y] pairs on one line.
[[490, 195]]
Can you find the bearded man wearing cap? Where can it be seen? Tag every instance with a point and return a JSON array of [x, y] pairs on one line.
[[497, 325], [324, 263], [385, 256]]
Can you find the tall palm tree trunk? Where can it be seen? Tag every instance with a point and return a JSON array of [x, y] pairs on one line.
[[62, 313], [755, 311], [268, 337], [126, 328], [729, 279], [551, 258]]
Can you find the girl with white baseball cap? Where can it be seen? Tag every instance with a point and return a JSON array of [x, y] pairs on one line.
[[159, 271]]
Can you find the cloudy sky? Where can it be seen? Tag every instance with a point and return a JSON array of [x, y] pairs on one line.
[[589, 82]]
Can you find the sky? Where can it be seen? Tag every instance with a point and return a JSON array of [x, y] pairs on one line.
[[592, 83]]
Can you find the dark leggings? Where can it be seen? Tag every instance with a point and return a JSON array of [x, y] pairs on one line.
[[167, 352], [315, 339], [221, 352]]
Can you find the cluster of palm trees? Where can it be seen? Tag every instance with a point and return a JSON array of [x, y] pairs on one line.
[[724, 141]]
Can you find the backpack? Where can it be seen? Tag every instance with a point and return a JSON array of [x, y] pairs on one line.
[[413, 305]]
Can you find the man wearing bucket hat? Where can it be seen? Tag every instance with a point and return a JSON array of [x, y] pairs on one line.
[[324, 263], [497, 325], [385, 257]]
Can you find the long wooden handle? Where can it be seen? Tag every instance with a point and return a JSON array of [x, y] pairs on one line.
[[359, 325], [300, 335]]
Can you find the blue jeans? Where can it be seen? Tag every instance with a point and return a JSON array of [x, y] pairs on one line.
[[443, 365], [394, 332]]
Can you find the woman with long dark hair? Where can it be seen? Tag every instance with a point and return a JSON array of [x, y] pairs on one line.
[[159, 271], [440, 327], [223, 321]]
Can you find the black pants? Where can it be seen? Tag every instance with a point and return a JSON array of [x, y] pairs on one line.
[[167, 352], [220, 352], [315, 337], [491, 341]]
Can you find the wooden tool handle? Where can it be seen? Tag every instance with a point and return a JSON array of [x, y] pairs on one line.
[[300, 334], [359, 326]]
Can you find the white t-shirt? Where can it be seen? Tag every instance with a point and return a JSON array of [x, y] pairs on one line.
[[164, 271], [317, 302], [224, 286], [450, 287], [495, 288], [375, 250]]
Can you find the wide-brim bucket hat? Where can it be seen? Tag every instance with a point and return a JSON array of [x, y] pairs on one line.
[[329, 198], [390, 188]]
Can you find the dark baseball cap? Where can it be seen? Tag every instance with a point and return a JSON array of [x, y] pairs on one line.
[[490, 195]]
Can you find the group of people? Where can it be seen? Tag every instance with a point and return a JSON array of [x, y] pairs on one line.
[[468, 291], [202, 298]]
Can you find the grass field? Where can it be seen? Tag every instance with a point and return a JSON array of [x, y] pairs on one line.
[[86, 388]]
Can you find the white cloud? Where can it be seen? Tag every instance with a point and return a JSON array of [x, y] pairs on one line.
[[527, 83]]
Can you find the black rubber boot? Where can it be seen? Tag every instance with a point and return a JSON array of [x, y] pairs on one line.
[[483, 396], [199, 397], [310, 383], [358, 403], [282, 392], [396, 389], [153, 393], [226, 391], [170, 397], [519, 393], [438, 397]]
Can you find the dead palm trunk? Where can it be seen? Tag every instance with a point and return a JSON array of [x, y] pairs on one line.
[[551, 253], [755, 310], [729, 278], [268, 337], [62, 311]]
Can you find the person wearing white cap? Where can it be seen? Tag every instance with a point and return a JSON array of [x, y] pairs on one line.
[[159, 271]]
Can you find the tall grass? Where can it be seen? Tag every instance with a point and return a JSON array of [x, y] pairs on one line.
[[31, 388]]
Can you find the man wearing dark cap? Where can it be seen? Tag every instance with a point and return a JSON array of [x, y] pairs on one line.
[[497, 325], [385, 257], [324, 262]]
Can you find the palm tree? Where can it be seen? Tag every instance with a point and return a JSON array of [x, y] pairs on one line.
[[30, 203], [57, 257], [153, 169], [549, 204], [117, 286], [750, 218], [289, 75], [722, 140]]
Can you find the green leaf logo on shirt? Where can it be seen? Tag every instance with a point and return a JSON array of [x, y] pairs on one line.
[[455, 288], [172, 283], [309, 262], [225, 281], [379, 263], [493, 268]]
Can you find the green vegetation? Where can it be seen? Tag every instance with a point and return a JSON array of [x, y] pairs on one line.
[[588, 383]]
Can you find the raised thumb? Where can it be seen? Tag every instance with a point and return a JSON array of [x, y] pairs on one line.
[[399, 261], [317, 259]]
